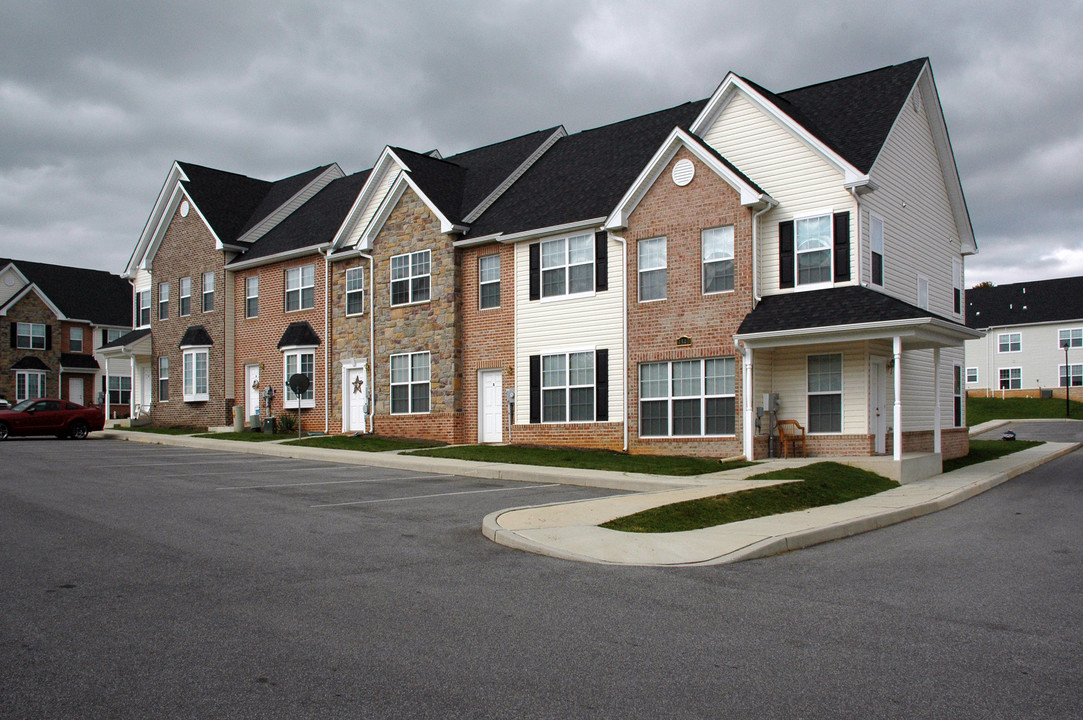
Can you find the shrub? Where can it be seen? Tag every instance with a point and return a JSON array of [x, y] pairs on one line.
[[287, 423]]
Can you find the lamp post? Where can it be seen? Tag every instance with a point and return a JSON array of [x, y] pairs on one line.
[[1066, 343]]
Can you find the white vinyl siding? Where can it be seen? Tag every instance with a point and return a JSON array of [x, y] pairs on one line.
[[1039, 358], [542, 328], [383, 185]]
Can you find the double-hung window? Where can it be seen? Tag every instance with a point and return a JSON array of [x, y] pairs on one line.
[[717, 259], [813, 245], [163, 301], [29, 384], [195, 375], [303, 361], [489, 282], [687, 398], [163, 378], [567, 266], [142, 308], [825, 393], [251, 296], [1071, 375], [410, 277], [120, 390], [971, 376], [185, 296], [876, 232], [410, 383], [300, 288], [1011, 378], [1073, 338], [957, 286], [75, 340], [957, 395], [30, 336], [1009, 342], [355, 291], [208, 291], [567, 387], [652, 269]]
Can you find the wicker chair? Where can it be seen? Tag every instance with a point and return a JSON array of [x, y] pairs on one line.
[[791, 436]]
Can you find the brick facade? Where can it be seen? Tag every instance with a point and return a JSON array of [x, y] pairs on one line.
[[188, 250], [29, 309], [708, 321]]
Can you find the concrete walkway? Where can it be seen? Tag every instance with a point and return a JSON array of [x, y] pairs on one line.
[[570, 530]]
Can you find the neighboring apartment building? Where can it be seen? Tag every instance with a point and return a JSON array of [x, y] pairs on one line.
[[56, 319], [640, 286], [1026, 327]]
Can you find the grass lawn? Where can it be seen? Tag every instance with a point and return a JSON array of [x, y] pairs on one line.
[[165, 430], [979, 409], [364, 443], [249, 436], [825, 483], [983, 450], [586, 459]]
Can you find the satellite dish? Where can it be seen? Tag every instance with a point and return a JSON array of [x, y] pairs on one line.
[[299, 383]]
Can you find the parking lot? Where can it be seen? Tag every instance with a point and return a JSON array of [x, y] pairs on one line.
[[153, 581]]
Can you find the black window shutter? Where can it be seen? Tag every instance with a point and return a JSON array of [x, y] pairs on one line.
[[105, 336], [601, 267], [14, 334], [535, 272], [842, 247], [48, 337], [535, 388], [601, 385], [785, 254]]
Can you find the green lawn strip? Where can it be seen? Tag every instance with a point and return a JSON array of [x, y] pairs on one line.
[[164, 430], [985, 450], [979, 409], [365, 443], [585, 459], [825, 483], [247, 436]]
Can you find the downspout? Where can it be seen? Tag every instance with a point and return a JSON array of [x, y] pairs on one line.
[[624, 349], [372, 342], [326, 340], [756, 253], [860, 257]]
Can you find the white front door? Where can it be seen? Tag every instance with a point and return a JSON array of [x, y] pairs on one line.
[[492, 392], [145, 384], [75, 390], [356, 396], [878, 403], [251, 391]]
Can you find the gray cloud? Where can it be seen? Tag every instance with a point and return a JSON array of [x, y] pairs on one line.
[[98, 99]]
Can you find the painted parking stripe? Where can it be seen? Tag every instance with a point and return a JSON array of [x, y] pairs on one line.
[[423, 497], [335, 482]]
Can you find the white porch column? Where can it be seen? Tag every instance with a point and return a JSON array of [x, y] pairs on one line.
[[936, 387], [746, 395], [107, 388], [131, 395], [896, 436]]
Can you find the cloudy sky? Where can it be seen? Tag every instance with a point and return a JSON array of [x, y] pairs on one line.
[[97, 99]]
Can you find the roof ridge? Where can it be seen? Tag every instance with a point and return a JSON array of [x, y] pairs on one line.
[[636, 117], [852, 75]]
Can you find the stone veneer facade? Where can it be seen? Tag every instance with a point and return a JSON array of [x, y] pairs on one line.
[[30, 309], [188, 250]]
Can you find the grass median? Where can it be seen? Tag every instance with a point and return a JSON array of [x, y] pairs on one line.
[[981, 409], [985, 450]]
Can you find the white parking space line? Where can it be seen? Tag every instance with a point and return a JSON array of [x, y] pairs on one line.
[[335, 482], [229, 461], [422, 497]]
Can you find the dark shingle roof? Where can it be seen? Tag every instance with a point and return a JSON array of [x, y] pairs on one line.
[[79, 360], [442, 181], [1023, 303], [584, 175], [314, 223], [830, 307], [196, 336], [30, 362], [127, 338], [299, 334], [95, 295]]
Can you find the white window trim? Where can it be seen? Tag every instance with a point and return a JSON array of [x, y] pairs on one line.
[[142, 302], [359, 270], [203, 292], [163, 301], [1072, 343], [195, 351], [1009, 369], [1070, 365], [248, 296], [703, 398], [161, 378], [409, 279], [703, 262], [841, 393], [567, 295], [1009, 336], [26, 374], [298, 351], [482, 284], [640, 268], [975, 381], [409, 384], [568, 387], [71, 339], [797, 285], [30, 334], [183, 297], [873, 219], [300, 289]]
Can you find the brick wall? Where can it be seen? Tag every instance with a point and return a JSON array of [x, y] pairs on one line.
[[954, 442], [187, 250], [30, 309], [256, 339], [680, 214]]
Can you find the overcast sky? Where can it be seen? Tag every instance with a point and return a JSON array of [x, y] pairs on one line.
[[97, 99]]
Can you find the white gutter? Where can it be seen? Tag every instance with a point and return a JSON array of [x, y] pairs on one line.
[[860, 257], [372, 342], [624, 349], [277, 257]]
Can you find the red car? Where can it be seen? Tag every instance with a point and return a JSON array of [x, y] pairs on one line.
[[49, 416]]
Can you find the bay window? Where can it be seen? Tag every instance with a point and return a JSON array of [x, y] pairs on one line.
[[195, 375]]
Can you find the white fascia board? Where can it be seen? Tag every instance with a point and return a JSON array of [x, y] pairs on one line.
[[563, 229], [277, 257], [1070, 321], [15, 268], [387, 160], [733, 84], [470, 242], [677, 139], [934, 329], [41, 296], [516, 174], [153, 225], [333, 172]]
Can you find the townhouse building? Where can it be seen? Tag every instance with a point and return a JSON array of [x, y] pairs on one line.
[[644, 286], [56, 320]]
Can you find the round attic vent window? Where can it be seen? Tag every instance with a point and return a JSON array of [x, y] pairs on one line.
[[683, 172], [184, 208], [9, 280]]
